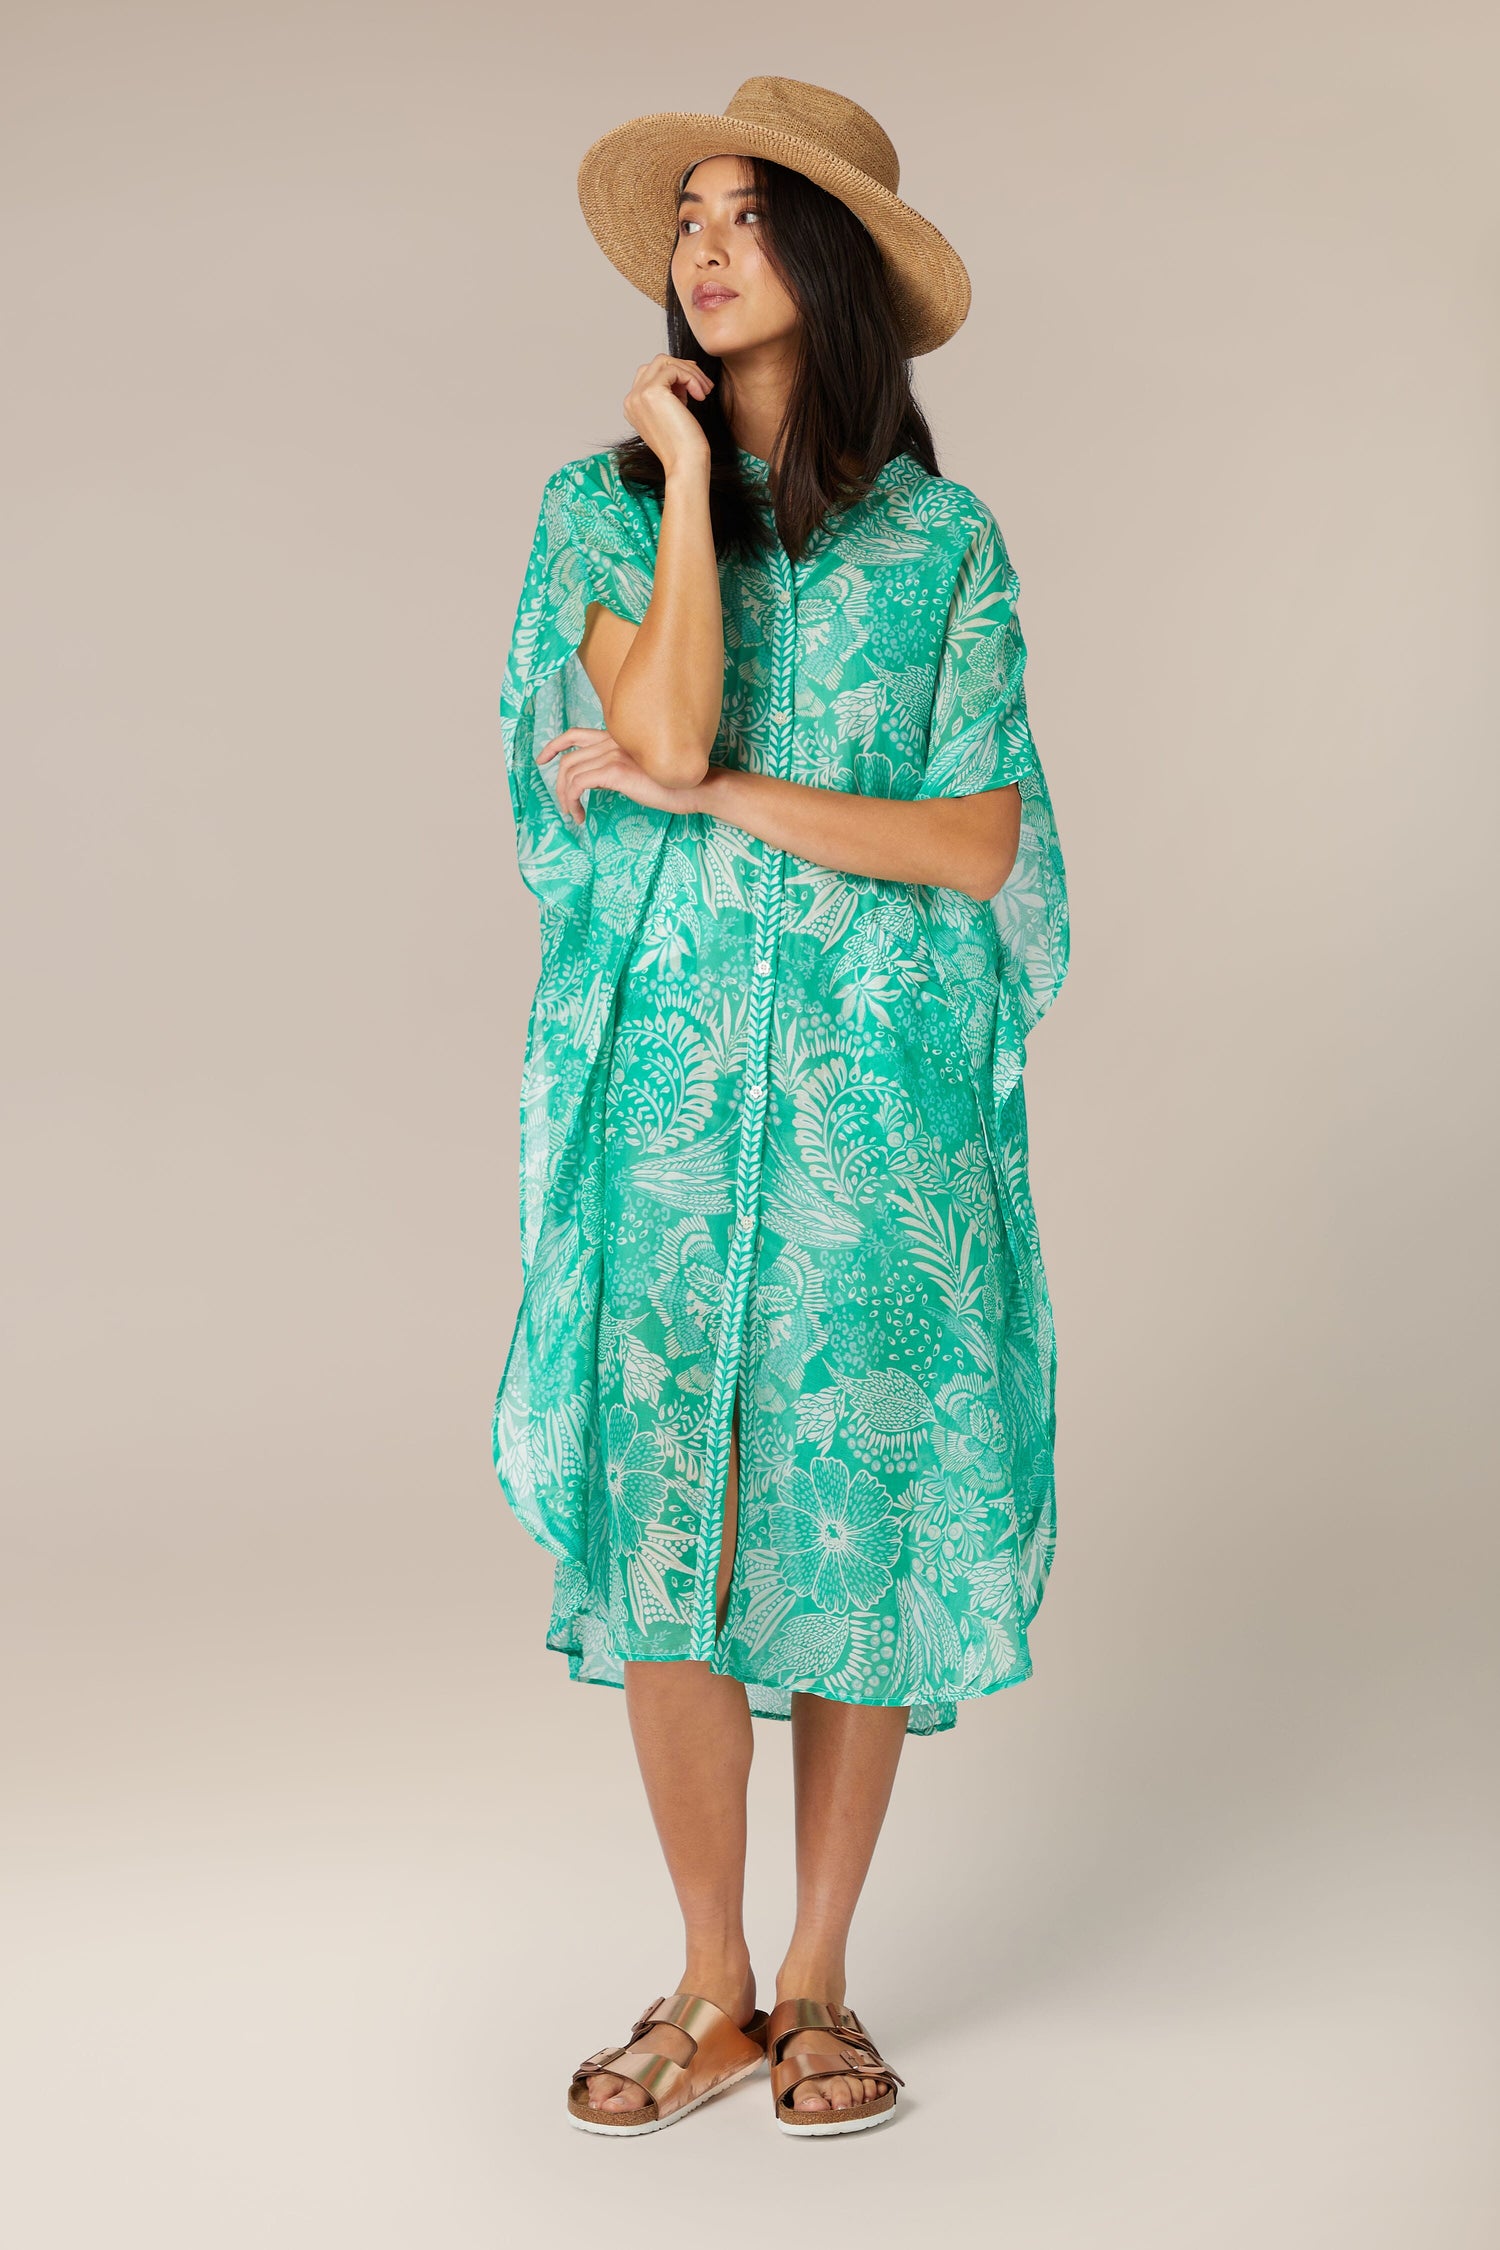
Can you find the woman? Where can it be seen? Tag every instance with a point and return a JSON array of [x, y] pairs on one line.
[[780, 1395]]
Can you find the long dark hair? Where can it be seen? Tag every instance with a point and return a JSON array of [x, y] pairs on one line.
[[851, 408]]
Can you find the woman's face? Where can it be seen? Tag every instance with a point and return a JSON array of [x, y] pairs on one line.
[[728, 288]]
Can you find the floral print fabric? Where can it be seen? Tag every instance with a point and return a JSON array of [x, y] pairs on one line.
[[774, 1158]]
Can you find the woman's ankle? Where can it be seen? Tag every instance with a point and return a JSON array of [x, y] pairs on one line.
[[726, 1979], [811, 1976]]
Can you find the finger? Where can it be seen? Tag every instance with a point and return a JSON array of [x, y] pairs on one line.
[[611, 769], [568, 738], [665, 370], [582, 771]]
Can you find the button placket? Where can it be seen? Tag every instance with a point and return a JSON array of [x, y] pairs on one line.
[[739, 1266]]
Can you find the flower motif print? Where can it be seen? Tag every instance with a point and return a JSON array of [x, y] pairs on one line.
[[632, 1474], [838, 1534]]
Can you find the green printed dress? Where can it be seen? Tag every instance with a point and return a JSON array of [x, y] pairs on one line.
[[774, 1133]]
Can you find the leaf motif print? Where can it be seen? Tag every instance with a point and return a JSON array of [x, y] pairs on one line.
[[881, 1417], [857, 713], [726, 863], [662, 1548], [695, 1179], [818, 1415], [797, 1210], [940, 1250], [809, 1647], [993, 1583], [648, 1546], [824, 901], [949, 1528], [762, 1599], [641, 1372], [879, 963], [669, 1069], [927, 1642], [885, 1417], [853, 1128]]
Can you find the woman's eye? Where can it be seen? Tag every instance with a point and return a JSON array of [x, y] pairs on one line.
[[687, 225]]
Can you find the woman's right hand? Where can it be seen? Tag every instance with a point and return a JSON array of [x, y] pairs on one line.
[[655, 410]]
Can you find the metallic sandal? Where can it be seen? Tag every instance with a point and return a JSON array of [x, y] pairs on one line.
[[722, 2055], [859, 2060]]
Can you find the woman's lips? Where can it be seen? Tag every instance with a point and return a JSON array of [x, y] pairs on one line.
[[708, 294]]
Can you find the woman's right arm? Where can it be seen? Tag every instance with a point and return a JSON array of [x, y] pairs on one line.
[[662, 682]]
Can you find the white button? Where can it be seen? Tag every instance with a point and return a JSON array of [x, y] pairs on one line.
[[746, 1222]]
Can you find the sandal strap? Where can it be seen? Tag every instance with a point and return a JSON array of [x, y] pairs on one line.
[[856, 2060], [658, 2074], [858, 2055], [789, 2016], [702, 2024]]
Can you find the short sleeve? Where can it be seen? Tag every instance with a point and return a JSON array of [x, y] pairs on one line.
[[595, 540], [980, 738]]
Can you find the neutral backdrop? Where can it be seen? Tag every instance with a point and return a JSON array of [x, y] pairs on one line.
[[321, 1874]]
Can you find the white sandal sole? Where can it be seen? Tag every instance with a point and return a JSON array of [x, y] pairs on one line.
[[660, 2124]]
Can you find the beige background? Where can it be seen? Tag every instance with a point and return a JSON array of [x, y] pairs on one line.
[[321, 1875]]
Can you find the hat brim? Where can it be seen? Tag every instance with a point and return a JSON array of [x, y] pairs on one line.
[[628, 185]]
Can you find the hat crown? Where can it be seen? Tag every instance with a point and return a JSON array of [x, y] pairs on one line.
[[831, 121]]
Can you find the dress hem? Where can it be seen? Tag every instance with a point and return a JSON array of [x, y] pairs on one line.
[[772, 1699]]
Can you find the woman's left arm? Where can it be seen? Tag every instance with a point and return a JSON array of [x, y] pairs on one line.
[[964, 843]]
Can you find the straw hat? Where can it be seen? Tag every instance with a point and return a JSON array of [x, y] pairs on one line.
[[629, 180]]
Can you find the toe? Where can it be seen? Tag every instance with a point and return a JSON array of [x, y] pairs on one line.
[[608, 2091], [812, 2097]]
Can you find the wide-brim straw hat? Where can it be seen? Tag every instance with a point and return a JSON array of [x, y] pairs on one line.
[[629, 182]]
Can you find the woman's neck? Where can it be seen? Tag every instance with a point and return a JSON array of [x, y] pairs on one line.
[[757, 387]]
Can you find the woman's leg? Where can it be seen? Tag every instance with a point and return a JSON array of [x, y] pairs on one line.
[[693, 1740], [844, 1758]]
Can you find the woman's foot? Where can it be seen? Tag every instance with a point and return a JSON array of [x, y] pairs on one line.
[[733, 1990], [818, 1983]]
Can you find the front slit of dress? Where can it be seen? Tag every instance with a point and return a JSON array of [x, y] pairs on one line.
[[755, 1095]]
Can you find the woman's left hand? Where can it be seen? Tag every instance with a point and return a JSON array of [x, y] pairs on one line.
[[592, 759]]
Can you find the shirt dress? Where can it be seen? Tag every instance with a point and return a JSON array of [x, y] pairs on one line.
[[774, 1148]]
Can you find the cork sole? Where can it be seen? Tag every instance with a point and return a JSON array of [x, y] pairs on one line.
[[856, 2120]]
